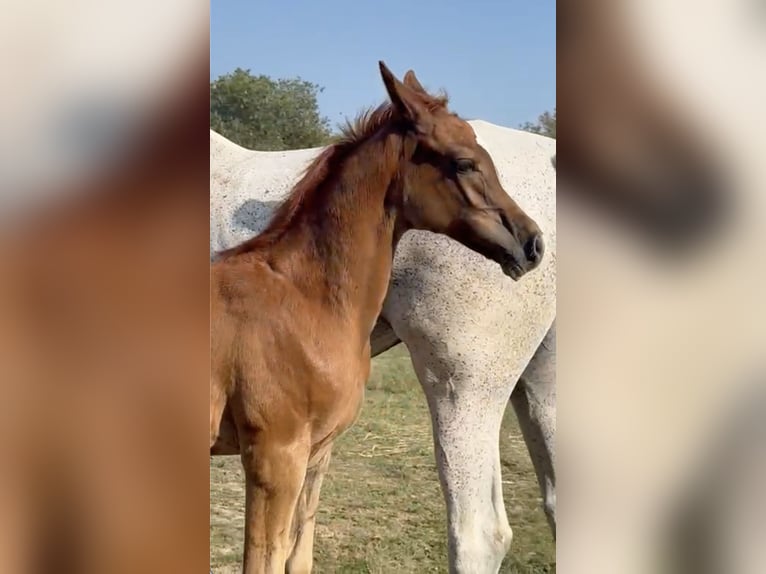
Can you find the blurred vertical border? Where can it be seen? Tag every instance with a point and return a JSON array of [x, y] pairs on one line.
[[104, 329], [661, 280]]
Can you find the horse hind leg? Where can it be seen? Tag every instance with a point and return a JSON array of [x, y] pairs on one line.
[[301, 558], [274, 474], [534, 400]]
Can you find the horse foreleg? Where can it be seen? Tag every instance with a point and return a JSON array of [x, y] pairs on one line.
[[301, 559], [534, 400], [274, 473], [466, 426]]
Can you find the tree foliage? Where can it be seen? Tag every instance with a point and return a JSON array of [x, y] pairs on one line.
[[546, 125], [264, 114]]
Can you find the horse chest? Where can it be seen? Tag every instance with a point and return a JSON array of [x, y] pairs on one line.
[[337, 395]]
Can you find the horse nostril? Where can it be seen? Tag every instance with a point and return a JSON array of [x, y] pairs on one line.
[[534, 248]]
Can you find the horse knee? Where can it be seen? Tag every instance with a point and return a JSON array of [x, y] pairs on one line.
[[481, 552], [300, 564], [275, 467], [549, 506], [503, 539]]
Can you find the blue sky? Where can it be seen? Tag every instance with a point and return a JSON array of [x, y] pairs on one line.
[[496, 59]]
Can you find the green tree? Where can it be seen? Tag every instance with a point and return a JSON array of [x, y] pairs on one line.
[[264, 114], [546, 125]]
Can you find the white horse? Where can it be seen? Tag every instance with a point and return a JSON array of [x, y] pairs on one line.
[[472, 332]]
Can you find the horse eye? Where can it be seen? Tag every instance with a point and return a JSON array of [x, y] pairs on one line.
[[465, 165]]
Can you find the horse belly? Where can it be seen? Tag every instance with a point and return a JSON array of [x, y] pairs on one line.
[[227, 442]]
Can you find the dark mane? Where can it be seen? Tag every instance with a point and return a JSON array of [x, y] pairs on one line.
[[328, 162]]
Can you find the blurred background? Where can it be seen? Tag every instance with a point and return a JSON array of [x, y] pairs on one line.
[[661, 274], [103, 298], [660, 282]]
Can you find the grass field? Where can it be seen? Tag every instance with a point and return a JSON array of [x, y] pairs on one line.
[[381, 509]]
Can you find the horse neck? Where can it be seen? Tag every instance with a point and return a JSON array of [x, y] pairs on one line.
[[342, 251]]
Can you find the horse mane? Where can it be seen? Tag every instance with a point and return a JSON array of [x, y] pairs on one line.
[[325, 165]]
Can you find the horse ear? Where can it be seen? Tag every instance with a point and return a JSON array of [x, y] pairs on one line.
[[406, 101], [411, 81]]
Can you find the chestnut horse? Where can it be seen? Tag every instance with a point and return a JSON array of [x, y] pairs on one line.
[[292, 309]]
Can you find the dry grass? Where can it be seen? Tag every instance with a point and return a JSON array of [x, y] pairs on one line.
[[382, 510]]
